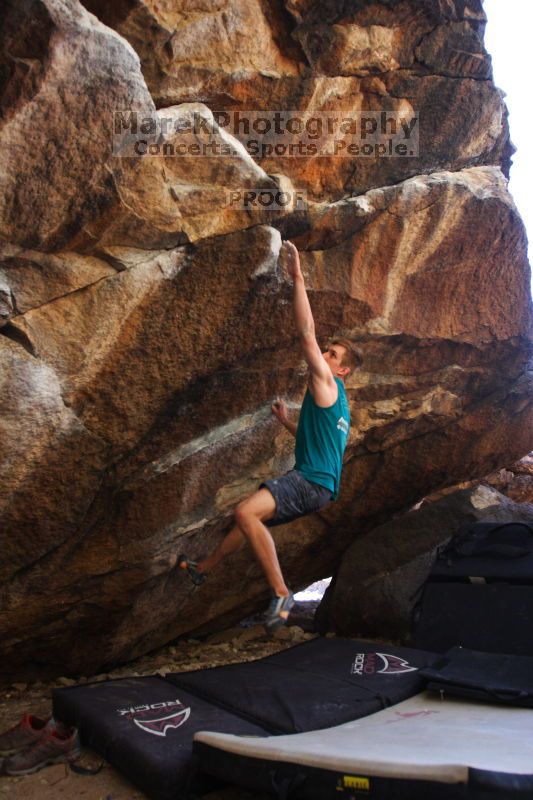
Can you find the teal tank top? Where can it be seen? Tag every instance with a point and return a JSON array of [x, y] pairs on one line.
[[321, 438]]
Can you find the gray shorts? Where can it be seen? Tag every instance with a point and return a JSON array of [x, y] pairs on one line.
[[295, 497]]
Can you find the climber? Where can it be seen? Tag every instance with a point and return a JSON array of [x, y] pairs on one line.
[[321, 436]]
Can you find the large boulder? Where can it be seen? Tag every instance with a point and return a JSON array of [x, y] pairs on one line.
[[146, 327]]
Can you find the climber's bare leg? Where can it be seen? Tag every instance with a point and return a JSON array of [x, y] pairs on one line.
[[249, 517], [232, 542]]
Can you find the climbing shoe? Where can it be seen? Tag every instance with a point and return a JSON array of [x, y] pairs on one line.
[[277, 612], [191, 567]]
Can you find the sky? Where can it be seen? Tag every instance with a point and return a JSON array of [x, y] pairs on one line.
[[508, 40]]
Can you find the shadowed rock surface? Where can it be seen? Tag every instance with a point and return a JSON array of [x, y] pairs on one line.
[[147, 327]]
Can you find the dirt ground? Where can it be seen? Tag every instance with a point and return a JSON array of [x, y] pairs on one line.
[[60, 783]]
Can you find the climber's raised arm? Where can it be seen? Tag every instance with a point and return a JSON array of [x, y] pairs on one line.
[[321, 382]]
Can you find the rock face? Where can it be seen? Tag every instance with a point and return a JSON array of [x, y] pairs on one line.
[[146, 322], [516, 482]]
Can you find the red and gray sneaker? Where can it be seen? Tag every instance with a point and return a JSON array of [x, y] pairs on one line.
[[25, 733], [55, 746]]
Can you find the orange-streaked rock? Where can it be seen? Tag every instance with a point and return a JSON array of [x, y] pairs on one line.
[[66, 75]]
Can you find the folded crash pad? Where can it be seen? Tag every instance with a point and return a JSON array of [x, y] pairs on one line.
[[491, 677], [479, 593], [421, 748], [488, 551], [317, 684], [491, 617]]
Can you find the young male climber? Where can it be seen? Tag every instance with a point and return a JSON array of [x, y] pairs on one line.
[[321, 436]]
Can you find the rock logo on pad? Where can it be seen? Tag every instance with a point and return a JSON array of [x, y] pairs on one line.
[[380, 663], [153, 719]]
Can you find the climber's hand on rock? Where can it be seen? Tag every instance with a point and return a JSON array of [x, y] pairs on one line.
[[279, 408], [291, 258]]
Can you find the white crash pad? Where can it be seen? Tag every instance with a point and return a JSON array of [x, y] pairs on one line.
[[422, 738]]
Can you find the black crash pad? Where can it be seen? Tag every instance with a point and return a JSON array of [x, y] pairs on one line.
[[314, 685], [144, 727]]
